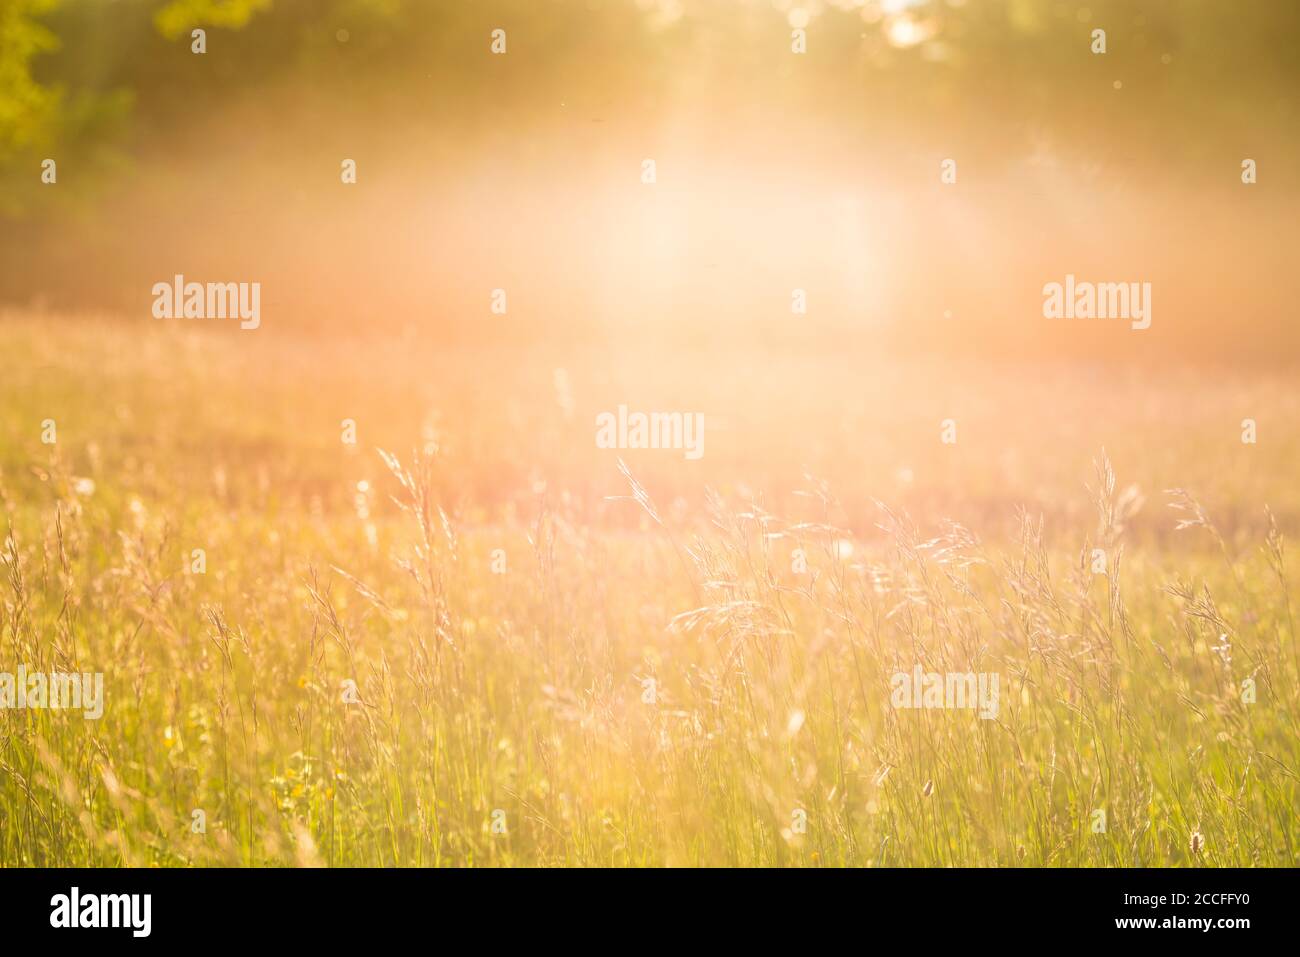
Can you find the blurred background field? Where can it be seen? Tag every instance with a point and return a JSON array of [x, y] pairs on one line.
[[521, 689], [176, 407]]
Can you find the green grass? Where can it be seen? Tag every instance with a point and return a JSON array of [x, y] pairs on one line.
[[523, 692]]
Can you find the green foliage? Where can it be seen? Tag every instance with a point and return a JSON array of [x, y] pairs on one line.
[[181, 16], [28, 110]]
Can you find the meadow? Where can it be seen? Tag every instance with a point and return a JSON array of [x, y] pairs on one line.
[[472, 637]]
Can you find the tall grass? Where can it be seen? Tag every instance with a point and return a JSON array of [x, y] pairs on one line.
[[661, 685]]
